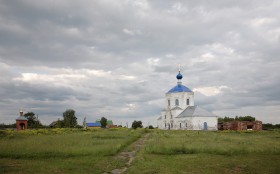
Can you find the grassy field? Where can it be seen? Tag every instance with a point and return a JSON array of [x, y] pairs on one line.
[[63, 150], [92, 151], [209, 152]]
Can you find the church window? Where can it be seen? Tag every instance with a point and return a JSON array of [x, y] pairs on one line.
[[165, 125], [188, 101], [171, 116], [168, 102], [177, 102], [180, 125], [186, 124], [171, 125], [165, 116]]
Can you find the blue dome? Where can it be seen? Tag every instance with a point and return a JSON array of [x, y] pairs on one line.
[[179, 88], [179, 76]]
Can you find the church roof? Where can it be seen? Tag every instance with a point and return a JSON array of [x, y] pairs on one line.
[[179, 88], [176, 108], [194, 111]]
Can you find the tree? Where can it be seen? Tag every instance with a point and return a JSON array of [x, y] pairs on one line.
[[59, 124], [4, 126], [136, 124], [247, 118], [103, 122], [33, 121], [69, 118], [220, 120], [228, 119]]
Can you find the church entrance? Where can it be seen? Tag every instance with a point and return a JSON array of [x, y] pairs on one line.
[[205, 127], [22, 126]]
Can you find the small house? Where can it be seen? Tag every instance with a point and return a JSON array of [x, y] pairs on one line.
[[21, 122], [94, 125]]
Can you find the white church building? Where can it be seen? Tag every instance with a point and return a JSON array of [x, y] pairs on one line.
[[181, 113]]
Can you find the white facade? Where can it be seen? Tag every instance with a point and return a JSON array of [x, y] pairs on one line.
[[180, 113]]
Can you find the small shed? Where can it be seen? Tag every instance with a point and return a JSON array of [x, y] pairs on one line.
[[21, 121], [94, 125]]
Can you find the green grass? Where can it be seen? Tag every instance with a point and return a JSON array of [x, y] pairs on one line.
[[209, 152], [92, 151], [63, 150]]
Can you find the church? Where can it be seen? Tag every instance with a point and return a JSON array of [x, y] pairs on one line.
[[181, 113]]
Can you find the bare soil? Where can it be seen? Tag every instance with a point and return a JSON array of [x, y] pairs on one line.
[[129, 155]]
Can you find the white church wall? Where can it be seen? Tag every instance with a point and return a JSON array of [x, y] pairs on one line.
[[182, 97], [198, 123], [159, 123], [186, 123], [167, 120]]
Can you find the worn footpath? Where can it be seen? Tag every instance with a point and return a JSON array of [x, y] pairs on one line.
[[129, 156]]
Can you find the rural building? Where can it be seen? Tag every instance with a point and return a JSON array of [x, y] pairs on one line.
[[94, 125], [240, 125], [53, 124], [21, 121], [109, 124], [180, 112]]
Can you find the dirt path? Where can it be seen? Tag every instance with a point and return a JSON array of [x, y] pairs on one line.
[[130, 155]]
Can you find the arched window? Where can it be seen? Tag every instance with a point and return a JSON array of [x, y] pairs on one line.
[[188, 101], [176, 102], [171, 116], [168, 102], [165, 125], [180, 125]]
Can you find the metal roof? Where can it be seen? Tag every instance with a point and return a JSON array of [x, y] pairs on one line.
[[179, 88], [194, 111], [94, 124], [109, 122], [21, 118]]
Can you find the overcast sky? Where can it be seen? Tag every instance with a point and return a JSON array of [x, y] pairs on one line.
[[118, 58]]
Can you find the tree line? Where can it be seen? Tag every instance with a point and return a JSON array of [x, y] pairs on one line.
[[240, 118], [69, 120]]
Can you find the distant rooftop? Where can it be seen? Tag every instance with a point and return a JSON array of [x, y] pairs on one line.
[[21, 118], [94, 124]]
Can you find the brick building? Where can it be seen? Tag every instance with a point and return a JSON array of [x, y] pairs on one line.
[[240, 125], [21, 122]]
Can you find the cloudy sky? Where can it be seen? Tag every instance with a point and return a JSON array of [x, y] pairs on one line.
[[118, 58]]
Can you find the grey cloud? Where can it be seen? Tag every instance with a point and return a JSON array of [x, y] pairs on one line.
[[241, 36]]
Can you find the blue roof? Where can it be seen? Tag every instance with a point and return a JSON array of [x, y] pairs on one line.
[[94, 124], [179, 88]]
